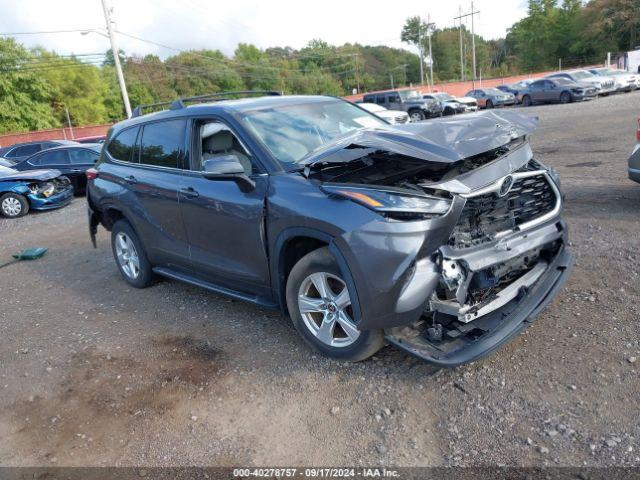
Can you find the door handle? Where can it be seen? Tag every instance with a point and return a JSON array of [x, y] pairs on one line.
[[76, 170], [131, 179], [189, 192]]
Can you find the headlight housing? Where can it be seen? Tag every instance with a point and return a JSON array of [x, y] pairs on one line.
[[46, 189], [393, 204]]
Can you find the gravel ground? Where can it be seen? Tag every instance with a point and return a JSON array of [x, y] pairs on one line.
[[93, 372]]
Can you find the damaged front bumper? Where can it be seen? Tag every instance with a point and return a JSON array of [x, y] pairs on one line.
[[462, 343]]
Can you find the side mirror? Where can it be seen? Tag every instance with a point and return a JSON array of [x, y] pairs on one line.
[[227, 167]]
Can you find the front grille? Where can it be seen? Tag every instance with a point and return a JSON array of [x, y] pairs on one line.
[[401, 119], [486, 215]]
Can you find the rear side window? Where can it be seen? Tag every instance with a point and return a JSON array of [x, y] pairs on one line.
[[380, 99], [368, 99], [57, 157], [81, 156], [122, 146], [162, 143], [24, 151]]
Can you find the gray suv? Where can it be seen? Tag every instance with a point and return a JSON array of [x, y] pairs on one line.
[[441, 238], [410, 101]]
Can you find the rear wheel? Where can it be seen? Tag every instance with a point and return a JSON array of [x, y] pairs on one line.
[[130, 255], [416, 115], [565, 97], [322, 309], [526, 101], [13, 205]]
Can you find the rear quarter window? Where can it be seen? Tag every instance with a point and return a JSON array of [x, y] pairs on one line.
[[122, 146]]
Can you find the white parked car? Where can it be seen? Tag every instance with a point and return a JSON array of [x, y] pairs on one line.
[[391, 116], [470, 103], [625, 81]]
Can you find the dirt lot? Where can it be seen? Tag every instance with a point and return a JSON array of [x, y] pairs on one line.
[[93, 372]]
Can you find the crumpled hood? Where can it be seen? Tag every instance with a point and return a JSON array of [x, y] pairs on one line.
[[31, 175], [444, 140]]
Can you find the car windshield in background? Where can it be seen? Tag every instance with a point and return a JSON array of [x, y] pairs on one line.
[[410, 95], [582, 75], [443, 96], [563, 81], [291, 132], [494, 91]]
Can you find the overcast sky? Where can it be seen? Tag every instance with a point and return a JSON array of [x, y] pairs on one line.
[[186, 24]]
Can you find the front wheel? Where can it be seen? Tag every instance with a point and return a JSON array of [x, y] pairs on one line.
[[13, 205], [416, 115], [489, 104], [130, 255], [565, 97], [322, 310], [526, 101]]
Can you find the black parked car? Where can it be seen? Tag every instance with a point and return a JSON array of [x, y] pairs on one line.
[[410, 101], [71, 160], [19, 151], [443, 241], [556, 90]]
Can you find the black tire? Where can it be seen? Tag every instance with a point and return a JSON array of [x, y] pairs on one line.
[[526, 101], [489, 104], [449, 111], [321, 261], [13, 205], [145, 276], [416, 115], [565, 97]]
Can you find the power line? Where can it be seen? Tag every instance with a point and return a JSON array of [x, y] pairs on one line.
[[10, 34]]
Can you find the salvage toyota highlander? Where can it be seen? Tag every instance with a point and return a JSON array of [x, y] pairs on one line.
[[442, 238]]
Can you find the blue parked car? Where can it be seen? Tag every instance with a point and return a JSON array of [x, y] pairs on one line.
[[32, 190], [19, 151]]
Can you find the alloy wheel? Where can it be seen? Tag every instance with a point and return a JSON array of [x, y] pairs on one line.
[[325, 307], [11, 207], [127, 255]]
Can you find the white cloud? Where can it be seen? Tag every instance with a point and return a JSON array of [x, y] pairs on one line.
[[188, 24]]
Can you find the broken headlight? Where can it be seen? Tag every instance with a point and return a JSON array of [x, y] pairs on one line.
[[46, 189], [393, 203]]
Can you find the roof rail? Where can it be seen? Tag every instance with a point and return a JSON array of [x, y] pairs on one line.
[[180, 102]]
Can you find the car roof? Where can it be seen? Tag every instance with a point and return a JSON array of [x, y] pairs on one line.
[[90, 146], [226, 106]]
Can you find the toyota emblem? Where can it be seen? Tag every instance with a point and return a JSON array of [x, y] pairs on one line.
[[507, 183]]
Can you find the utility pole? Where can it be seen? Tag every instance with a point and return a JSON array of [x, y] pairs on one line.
[[429, 34], [116, 59], [357, 72], [473, 39], [391, 76], [559, 64], [421, 52], [461, 54]]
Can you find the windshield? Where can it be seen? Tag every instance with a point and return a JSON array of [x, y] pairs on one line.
[[494, 91], [410, 95], [562, 81], [6, 170], [581, 75], [291, 132], [443, 96]]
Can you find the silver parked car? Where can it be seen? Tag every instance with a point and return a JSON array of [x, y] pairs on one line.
[[392, 116]]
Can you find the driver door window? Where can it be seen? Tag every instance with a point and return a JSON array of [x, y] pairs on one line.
[[216, 140]]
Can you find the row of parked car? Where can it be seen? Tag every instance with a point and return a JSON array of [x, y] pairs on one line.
[[562, 87], [44, 175]]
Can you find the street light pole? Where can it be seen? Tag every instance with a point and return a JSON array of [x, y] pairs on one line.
[[116, 59], [430, 33], [473, 41]]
